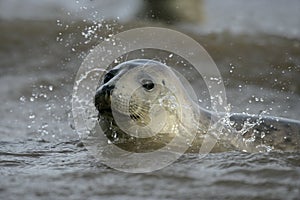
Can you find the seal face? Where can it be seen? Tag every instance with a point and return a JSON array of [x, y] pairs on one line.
[[143, 106], [140, 108]]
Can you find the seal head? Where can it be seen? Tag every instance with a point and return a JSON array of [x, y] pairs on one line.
[[143, 104]]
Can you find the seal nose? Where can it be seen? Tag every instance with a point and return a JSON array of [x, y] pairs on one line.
[[102, 97]]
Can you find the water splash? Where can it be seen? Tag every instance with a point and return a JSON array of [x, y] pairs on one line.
[[231, 135]]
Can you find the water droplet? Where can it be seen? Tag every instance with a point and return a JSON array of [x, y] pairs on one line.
[[31, 116], [22, 98], [261, 100]]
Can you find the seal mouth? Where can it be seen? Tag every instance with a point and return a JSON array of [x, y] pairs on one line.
[[104, 111]]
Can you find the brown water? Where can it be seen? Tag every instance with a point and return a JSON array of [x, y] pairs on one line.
[[42, 158]]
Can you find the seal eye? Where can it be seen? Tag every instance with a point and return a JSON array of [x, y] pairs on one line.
[[148, 85]]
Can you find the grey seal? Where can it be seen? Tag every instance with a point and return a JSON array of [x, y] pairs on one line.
[[142, 105]]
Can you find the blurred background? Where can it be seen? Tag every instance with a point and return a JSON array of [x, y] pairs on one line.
[[205, 16]]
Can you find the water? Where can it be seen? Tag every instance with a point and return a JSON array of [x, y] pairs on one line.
[[42, 158], [43, 170]]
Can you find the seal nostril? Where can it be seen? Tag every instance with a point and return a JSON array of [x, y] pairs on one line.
[[109, 75]]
